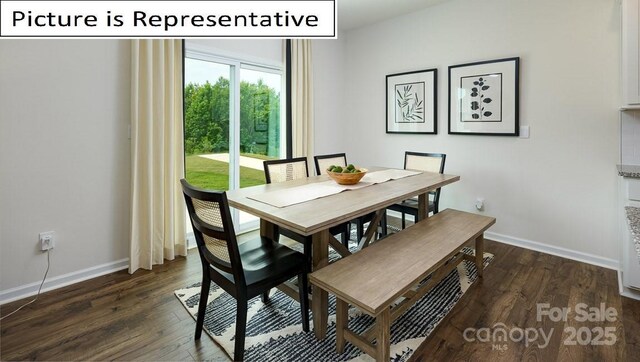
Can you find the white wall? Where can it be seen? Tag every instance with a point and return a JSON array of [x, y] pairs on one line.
[[329, 61], [64, 156], [558, 187]]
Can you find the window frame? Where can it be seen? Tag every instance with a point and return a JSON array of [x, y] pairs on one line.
[[238, 62]]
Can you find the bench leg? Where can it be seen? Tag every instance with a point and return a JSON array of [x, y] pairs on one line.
[[383, 340], [480, 255], [342, 322]]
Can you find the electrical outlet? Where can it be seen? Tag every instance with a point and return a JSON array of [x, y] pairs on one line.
[[47, 240], [480, 203]]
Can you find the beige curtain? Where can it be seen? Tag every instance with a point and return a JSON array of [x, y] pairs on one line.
[[157, 155], [302, 99]]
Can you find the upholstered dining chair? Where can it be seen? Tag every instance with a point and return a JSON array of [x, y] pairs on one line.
[[293, 169], [431, 162], [243, 270], [322, 163]]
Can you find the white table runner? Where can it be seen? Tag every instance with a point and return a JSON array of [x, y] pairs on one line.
[[299, 194]]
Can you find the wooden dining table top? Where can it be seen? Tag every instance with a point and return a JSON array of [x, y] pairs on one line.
[[312, 216]]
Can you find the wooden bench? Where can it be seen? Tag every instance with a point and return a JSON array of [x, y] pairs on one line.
[[376, 277]]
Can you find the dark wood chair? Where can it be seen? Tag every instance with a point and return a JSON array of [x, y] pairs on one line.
[[285, 170], [322, 163], [243, 270], [431, 162], [293, 169]]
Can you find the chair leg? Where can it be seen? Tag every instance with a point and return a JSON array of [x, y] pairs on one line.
[[307, 251], [304, 300], [265, 296], [359, 230], [202, 307], [308, 255], [241, 328], [345, 238], [403, 222], [276, 233], [383, 223]]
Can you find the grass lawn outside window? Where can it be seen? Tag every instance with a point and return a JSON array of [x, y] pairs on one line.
[[212, 174]]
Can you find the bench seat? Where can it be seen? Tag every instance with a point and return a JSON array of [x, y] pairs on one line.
[[392, 267]]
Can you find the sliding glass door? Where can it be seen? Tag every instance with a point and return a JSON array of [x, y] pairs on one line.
[[232, 123], [206, 123]]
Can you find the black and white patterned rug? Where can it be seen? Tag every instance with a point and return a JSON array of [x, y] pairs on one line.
[[274, 329]]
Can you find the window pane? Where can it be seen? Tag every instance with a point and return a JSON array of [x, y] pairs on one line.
[[211, 122], [259, 127], [206, 132], [259, 123]]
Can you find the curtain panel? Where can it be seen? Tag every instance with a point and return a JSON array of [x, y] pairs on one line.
[[302, 99], [157, 153]]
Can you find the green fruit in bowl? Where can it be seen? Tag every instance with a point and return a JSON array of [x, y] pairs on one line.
[[337, 169], [351, 167]]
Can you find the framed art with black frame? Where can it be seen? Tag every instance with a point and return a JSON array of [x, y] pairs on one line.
[[483, 98], [412, 102]]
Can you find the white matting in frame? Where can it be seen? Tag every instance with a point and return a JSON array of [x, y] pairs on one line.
[[483, 98], [412, 102]]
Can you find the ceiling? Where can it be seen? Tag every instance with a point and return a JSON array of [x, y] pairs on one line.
[[357, 13]]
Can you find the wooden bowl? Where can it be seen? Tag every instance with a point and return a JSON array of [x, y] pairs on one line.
[[347, 178]]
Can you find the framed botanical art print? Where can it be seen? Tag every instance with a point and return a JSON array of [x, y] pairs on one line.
[[483, 98], [412, 102]]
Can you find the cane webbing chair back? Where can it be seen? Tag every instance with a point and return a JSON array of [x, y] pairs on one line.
[[431, 162], [324, 161], [212, 227], [286, 170], [209, 212]]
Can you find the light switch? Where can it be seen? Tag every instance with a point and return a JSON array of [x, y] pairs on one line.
[[634, 189], [524, 131]]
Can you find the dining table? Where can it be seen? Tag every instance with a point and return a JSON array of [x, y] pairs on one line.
[[295, 205]]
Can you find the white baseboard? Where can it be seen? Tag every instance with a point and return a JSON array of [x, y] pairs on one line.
[[555, 250], [626, 291], [60, 281], [630, 293]]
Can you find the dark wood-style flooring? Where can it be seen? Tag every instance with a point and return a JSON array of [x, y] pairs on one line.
[[137, 317]]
